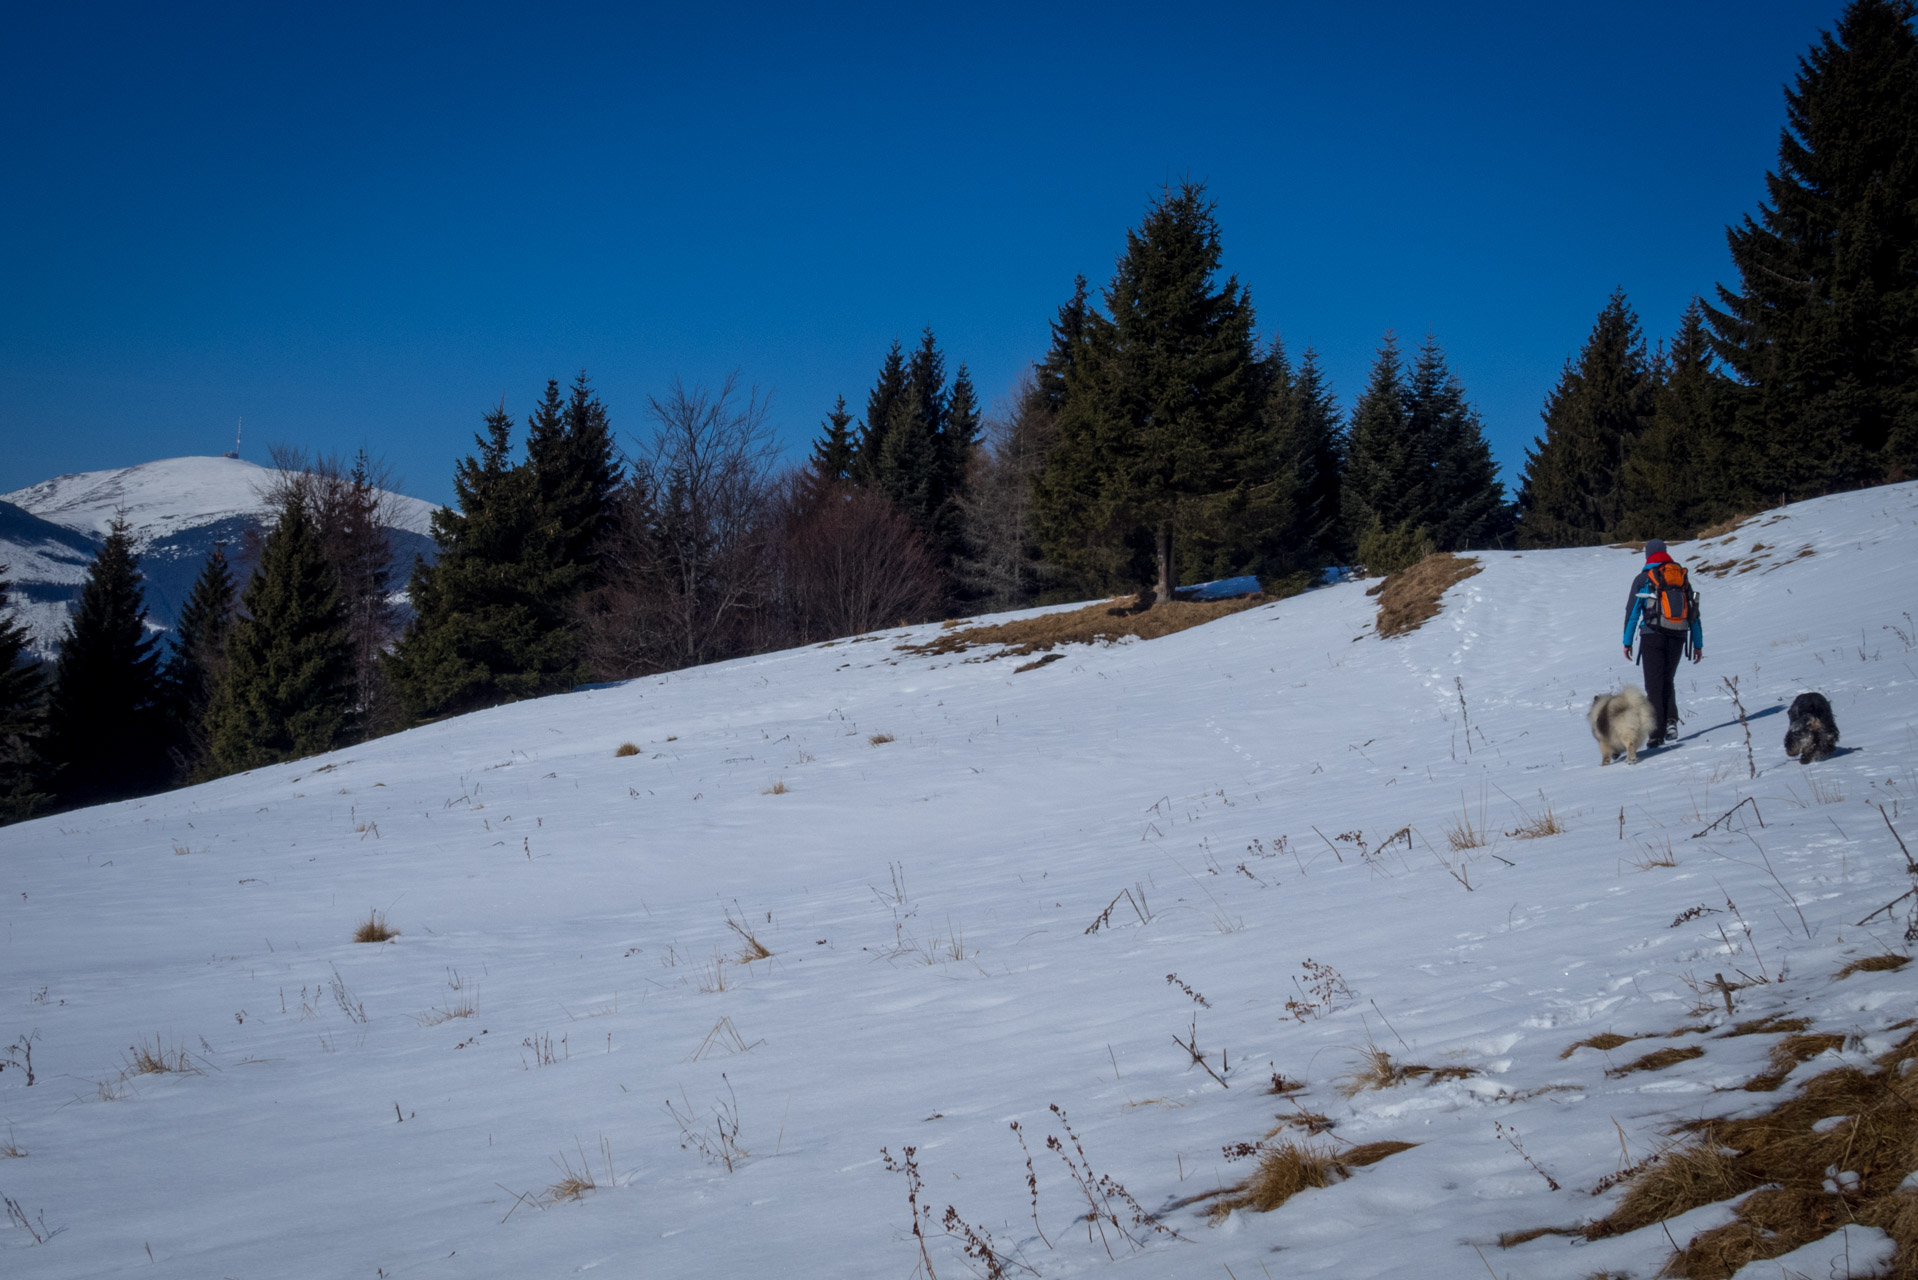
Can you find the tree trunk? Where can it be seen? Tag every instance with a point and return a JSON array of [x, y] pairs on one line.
[[1162, 593]]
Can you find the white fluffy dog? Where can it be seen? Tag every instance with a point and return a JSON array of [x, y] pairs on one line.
[[1621, 722]]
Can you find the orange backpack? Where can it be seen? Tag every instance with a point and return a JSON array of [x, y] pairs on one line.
[[1673, 601]]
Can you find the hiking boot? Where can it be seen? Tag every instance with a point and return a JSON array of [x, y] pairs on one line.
[[1656, 740], [1671, 729]]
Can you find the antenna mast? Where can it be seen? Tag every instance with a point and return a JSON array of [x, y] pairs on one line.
[[239, 426]]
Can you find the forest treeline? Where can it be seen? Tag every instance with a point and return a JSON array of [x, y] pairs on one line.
[[1156, 442]]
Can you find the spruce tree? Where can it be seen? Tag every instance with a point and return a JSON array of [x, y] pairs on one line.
[[1388, 470], [832, 453], [1680, 475], [887, 391], [1316, 441], [576, 474], [1069, 330], [106, 728], [490, 622], [1465, 504], [22, 716], [198, 656], [287, 690], [1823, 328], [1159, 408], [1574, 493]]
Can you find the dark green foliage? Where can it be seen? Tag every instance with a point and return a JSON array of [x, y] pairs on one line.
[[569, 450], [1385, 481], [198, 656], [1314, 442], [1069, 329], [1823, 329], [106, 730], [1159, 433], [1466, 505], [1386, 550], [287, 690], [1680, 475], [490, 622], [1574, 492], [832, 453], [22, 717], [1417, 456], [887, 393]]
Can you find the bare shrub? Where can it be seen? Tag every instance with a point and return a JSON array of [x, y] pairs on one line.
[[1003, 568], [375, 929], [687, 574], [852, 564]]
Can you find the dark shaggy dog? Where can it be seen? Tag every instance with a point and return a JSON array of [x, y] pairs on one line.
[[1813, 734]]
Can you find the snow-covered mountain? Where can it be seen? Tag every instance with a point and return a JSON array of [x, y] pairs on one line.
[[850, 898], [178, 509]]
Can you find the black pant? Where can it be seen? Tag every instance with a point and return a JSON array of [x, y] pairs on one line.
[[1661, 653]]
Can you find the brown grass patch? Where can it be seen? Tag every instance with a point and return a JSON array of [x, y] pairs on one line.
[[1107, 621], [1040, 661], [1723, 527], [375, 929], [1310, 1121], [1372, 1152], [881, 739], [1377, 1070], [1855, 1123], [1787, 1054], [778, 788], [1410, 598], [156, 1059], [1292, 1167], [1604, 1041], [627, 749], [1658, 1060], [1770, 1024], [1872, 964], [1506, 1239], [1545, 824]]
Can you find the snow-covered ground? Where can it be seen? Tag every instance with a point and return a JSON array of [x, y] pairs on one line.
[[933, 976]]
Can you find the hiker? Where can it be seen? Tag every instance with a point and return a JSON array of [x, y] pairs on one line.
[[1663, 611]]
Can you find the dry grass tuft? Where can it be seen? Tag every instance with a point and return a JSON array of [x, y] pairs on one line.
[[1769, 1025], [1545, 824], [1507, 1239], [1604, 1041], [11, 1150], [1377, 1071], [753, 949], [881, 739], [1836, 1152], [627, 749], [1872, 964], [1410, 598], [375, 929], [1292, 1167], [1658, 1060], [1310, 1121], [1107, 621], [778, 788], [1722, 528], [156, 1059]]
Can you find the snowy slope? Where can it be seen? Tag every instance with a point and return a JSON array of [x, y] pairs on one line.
[[926, 902], [178, 509]]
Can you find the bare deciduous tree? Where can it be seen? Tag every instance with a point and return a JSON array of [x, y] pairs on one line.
[[853, 564], [1005, 569], [688, 570]]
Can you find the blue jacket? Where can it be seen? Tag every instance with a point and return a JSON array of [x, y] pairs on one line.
[[1641, 601]]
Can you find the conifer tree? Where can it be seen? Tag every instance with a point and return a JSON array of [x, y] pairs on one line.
[[1069, 329], [489, 624], [887, 391], [569, 451], [832, 453], [1316, 442], [106, 731], [1823, 329], [1157, 412], [1465, 503], [1574, 475], [198, 656], [22, 716], [1680, 475], [1387, 470], [287, 690]]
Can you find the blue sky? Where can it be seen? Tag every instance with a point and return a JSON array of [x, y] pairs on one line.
[[364, 225]]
